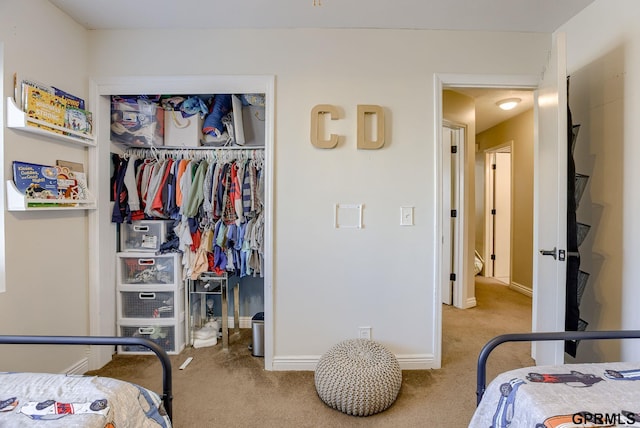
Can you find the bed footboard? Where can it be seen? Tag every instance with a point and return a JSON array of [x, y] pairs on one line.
[[537, 337], [167, 397]]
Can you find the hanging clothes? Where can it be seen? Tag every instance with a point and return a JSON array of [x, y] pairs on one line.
[[215, 196]]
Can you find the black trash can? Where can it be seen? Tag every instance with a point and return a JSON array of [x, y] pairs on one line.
[[257, 330]]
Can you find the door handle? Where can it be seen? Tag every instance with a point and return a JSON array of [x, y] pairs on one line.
[[552, 253]]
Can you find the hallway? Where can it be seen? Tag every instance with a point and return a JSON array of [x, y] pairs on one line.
[[499, 310]]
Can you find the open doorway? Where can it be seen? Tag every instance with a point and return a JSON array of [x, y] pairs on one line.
[[497, 177]]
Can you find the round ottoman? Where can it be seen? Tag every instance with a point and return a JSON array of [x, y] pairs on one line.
[[359, 377]]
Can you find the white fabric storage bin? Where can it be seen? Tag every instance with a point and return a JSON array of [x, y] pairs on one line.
[[182, 131], [254, 126], [144, 235], [146, 269], [169, 336]]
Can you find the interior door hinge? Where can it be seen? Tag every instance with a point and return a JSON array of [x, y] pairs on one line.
[[493, 211], [493, 166], [454, 149], [454, 213], [493, 256], [452, 276]]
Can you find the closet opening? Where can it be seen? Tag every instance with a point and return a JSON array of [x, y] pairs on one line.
[[255, 285]]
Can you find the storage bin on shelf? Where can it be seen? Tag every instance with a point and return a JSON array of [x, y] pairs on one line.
[[167, 334], [137, 121], [144, 235], [135, 302], [139, 268]]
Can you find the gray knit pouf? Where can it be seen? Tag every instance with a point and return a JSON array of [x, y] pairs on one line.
[[359, 377]]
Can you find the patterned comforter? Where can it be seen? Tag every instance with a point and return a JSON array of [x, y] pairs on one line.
[[58, 400], [570, 395]]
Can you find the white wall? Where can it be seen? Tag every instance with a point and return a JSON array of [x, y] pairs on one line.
[[603, 45], [46, 261], [327, 282]]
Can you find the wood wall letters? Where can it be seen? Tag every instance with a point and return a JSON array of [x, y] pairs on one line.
[[365, 112]]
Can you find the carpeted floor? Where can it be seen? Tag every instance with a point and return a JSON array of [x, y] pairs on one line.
[[232, 388]]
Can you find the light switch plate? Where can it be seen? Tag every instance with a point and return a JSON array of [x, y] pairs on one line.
[[406, 216]]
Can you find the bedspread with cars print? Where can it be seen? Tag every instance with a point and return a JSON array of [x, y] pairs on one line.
[[570, 395], [59, 400]]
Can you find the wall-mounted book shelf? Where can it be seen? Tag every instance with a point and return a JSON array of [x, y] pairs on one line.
[[17, 201], [18, 119]]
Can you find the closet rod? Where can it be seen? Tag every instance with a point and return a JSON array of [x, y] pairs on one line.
[[221, 153]]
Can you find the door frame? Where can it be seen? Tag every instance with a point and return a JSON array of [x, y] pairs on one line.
[[442, 81]]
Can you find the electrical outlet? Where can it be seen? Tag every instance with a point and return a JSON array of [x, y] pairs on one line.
[[364, 332]]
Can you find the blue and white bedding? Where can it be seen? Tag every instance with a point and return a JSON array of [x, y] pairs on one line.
[[58, 400], [570, 395]]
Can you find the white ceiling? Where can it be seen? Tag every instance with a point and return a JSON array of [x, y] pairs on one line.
[[493, 15], [473, 15], [488, 113]]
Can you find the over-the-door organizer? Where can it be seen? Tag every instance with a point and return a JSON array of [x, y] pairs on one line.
[[209, 189], [30, 122]]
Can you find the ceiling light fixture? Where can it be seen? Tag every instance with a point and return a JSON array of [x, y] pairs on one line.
[[509, 103]]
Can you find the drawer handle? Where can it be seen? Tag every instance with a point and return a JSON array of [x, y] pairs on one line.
[[147, 296], [146, 330], [146, 262], [140, 228]]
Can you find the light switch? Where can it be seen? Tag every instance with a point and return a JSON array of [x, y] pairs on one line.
[[406, 216]]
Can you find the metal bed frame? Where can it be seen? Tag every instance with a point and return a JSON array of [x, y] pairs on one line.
[[167, 397], [537, 337]]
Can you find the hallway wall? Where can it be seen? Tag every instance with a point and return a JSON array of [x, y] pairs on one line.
[[519, 130]]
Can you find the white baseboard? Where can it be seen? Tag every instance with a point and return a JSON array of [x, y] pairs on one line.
[[79, 368], [471, 303], [309, 362], [521, 289]]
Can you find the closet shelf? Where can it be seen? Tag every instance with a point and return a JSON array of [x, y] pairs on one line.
[[18, 119], [17, 201]]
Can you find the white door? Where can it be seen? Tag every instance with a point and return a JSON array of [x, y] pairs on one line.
[[452, 194], [502, 217], [550, 205]]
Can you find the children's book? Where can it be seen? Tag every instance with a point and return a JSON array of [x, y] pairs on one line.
[[36, 181], [78, 119], [44, 106], [76, 170], [70, 99]]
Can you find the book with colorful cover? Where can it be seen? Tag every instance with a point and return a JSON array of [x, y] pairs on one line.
[[36, 181], [75, 171], [44, 106], [70, 99], [78, 120]]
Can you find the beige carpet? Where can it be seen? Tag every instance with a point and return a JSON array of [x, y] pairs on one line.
[[232, 389]]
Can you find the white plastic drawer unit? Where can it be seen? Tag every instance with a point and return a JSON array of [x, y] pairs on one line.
[[169, 337], [144, 235], [148, 269], [150, 304]]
